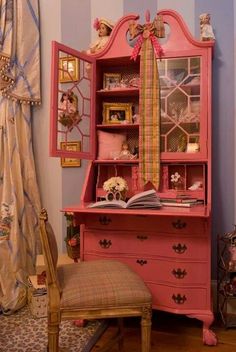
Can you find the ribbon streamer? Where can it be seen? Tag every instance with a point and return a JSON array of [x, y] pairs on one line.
[[149, 102]]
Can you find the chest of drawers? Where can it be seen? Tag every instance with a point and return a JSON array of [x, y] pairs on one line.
[[171, 254]]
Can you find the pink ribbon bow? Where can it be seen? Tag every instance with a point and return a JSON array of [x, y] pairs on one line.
[[143, 36]]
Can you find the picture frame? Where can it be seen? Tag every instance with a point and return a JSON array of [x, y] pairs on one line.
[[73, 146], [117, 113], [68, 69], [111, 80]]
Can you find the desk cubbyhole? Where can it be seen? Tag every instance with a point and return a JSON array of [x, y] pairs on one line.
[[185, 179], [128, 172]]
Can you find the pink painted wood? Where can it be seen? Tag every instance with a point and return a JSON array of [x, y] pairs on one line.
[[169, 248]]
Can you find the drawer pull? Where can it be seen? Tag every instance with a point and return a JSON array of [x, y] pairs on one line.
[[180, 248], [178, 273], [105, 243], [142, 237], [179, 224], [141, 262], [178, 299], [104, 220]]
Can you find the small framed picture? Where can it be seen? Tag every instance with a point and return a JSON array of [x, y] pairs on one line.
[[111, 80], [117, 113], [193, 147], [68, 69], [71, 162]]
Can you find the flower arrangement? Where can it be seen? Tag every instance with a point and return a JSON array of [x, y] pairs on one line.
[[176, 180], [116, 188], [72, 238]]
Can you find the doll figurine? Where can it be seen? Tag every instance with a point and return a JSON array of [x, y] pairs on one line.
[[205, 27], [67, 105], [104, 28], [125, 154], [68, 109]]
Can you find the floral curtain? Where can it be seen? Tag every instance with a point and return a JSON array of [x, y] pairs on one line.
[[19, 194]]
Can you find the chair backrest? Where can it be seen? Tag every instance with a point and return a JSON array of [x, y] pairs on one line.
[[50, 252]]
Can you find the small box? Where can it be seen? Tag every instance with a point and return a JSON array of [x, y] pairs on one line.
[[62, 260], [37, 298]]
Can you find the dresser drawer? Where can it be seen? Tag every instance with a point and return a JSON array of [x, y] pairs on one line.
[[146, 244], [159, 271], [171, 298], [169, 224], [177, 273]]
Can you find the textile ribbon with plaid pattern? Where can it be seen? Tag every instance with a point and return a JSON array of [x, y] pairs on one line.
[[149, 101]]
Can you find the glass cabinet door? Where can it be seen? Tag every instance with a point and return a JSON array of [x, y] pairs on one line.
[[72, 108], [180, 81]]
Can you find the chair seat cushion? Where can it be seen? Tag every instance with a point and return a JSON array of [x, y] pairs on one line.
[[101, 283]]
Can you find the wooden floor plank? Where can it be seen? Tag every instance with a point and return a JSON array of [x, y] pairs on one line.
[[171, 333]]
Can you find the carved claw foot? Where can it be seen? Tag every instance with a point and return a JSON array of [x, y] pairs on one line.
[[209, 337]]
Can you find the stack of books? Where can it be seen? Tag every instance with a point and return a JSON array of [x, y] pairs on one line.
[[181, 201]]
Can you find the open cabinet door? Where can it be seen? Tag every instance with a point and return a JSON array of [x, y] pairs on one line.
[[72, 112]]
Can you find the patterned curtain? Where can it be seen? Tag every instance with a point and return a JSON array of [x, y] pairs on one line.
[[19, 194]]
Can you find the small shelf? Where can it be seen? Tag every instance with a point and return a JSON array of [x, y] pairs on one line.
[[118, 92], [118, 126], [126, 162]]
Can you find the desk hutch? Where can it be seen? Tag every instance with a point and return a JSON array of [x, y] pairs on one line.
[[170, 248]]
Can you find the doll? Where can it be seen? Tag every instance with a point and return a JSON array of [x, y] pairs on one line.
[[67, 104], [104, 28], [125, 154], [206, 28], [68, 109]]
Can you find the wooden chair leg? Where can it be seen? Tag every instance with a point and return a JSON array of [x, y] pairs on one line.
[[53, 332], [121, 334], [146, 325]]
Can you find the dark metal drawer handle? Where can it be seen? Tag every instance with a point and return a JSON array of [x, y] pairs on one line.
[[180, 248], [105, 243], [142, 237], [179, 273], [179, 224], [141, 262], [104, 220], [178, 299]]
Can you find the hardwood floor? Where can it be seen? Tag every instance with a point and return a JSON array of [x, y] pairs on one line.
[[171, 333]]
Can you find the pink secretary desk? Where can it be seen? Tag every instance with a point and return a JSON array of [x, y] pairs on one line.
[[170, 248]]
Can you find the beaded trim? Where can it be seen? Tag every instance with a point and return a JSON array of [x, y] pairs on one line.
[[6, 90]]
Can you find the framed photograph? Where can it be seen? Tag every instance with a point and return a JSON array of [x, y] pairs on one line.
[[71, 162], [111, 80], [117, 113], [68, 69]]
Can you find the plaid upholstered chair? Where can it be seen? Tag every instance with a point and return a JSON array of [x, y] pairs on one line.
[[92, 290]]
